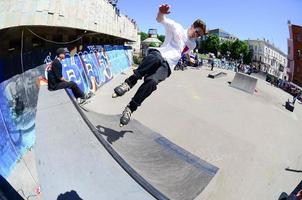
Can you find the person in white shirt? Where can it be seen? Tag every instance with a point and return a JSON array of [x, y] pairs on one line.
[[160, 62]]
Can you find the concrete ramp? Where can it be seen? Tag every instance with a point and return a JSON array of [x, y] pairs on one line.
[[216, 74], [72, 163], [244, 82], [173, 171]]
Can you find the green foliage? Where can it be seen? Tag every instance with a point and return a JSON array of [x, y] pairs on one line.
[[225, 47], [153, 44], [211, 44], [137, 60], [143, 36], [239, 48], [161, 38], [203, 56], [248, 57]]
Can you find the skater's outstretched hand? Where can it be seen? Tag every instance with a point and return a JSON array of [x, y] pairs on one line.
[[164, 9]]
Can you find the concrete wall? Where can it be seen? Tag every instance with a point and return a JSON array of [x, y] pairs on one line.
[[93, 15]]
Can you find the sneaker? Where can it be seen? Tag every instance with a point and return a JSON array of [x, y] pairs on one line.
[[81, 101], [125, 116]]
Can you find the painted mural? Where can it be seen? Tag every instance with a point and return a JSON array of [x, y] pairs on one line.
[[88, 67]]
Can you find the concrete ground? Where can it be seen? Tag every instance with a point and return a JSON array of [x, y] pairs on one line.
[[250, 138], [71, 162]]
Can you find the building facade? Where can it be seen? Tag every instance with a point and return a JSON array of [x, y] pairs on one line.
[[271, 59], [223, 35], [295, 54], [96, 16]]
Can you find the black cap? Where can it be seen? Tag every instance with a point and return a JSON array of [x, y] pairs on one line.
[[60, 51]]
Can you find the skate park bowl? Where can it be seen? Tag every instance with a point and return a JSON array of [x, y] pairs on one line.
[[82, 150], [244, 82]]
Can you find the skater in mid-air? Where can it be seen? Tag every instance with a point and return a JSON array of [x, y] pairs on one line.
[[160, 62]]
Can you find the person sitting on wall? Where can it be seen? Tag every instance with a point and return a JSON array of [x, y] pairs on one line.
[[56, 80]]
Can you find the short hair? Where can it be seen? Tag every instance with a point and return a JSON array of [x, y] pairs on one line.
[[200, 24]]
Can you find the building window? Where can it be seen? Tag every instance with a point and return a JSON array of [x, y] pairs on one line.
[[255, 48], [298, 37]]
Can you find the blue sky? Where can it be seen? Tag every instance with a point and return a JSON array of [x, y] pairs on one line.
[[245, 19]]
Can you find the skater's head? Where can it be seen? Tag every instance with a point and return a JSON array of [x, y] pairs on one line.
[[61, 53], [197, 29]]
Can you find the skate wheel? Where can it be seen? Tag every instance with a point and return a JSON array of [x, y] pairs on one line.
[[121, 125], [114, 95]]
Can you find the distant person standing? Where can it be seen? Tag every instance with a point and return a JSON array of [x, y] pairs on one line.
[[56, 80], [212, 64], [297, 96]]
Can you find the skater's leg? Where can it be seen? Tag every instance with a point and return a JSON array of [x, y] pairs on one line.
[[145, 90], [132, 80], [149, 66], [149, 85], [142, 93]]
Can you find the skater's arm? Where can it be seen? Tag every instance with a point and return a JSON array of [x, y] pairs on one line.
[[162, 11], [169, 24]]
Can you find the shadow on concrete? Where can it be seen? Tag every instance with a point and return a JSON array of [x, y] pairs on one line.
[[72, 195], [112, 135]]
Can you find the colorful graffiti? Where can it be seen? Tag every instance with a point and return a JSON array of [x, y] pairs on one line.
[[19, 93], [18, 102], [95, 65], [1, 71]]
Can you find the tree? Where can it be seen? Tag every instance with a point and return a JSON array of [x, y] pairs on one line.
[[247, 58], [143, 36], [211, 44], [225, 47], [153, 44], [240, 48], [161, 38]]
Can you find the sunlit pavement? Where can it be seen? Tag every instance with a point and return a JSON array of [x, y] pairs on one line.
[[251, 138]]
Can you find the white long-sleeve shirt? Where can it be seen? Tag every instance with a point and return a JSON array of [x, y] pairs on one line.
[[176, 42]]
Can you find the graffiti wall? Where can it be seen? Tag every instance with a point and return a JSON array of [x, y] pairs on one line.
[[92, 65], [18, 102]]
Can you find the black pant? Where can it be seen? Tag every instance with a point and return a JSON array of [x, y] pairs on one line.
[[154, 69], [77, 92]]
